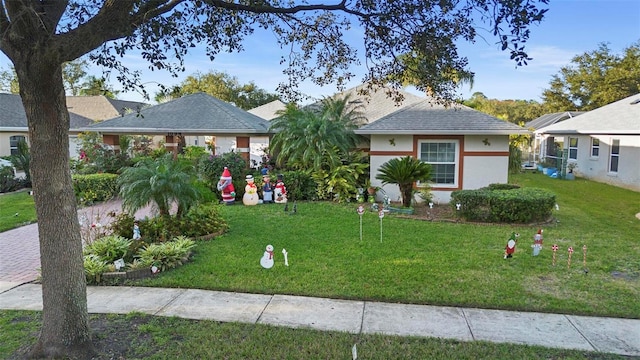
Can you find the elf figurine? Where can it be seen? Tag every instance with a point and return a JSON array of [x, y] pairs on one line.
[[225, 186], [511, 245]]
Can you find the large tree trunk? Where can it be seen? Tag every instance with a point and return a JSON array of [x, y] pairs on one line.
[[65, 321]]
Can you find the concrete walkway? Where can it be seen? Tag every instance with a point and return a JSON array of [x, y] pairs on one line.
[[607, 335], [20, 260]]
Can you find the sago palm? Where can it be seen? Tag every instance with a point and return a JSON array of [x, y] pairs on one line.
[[161, 182], [404, 172]]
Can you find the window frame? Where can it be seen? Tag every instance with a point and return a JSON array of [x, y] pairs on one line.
[[573, 148], [595, 147], [455, 162], [14, 140], [615, 143]]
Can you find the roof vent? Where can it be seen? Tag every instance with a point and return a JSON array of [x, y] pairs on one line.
[[636, 101]]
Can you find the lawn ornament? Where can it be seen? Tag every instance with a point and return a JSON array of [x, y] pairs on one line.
[[225, 186], [537, 243], [267, 190], [286, 259], [554, 248], [250, 196], [267, 259], [136, 231], [280, 191], [570, 252], [511, 245], [584, 257]]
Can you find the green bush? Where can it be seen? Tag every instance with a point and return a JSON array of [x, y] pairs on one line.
[[200, 220], [520, 205], [300, 185], [94, 267], [166, 255], [109, 248], [94, 187], [503, 186], [7, 181], [210, 168]]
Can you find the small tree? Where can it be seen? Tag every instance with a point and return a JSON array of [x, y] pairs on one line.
[[162, 182], [22, 160], [404, 172]]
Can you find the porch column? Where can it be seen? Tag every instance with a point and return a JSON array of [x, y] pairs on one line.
[[113, 141], [242, 146]]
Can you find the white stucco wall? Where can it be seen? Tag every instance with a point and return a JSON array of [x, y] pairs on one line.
[[597, 168], [485, 160], [5, 148]]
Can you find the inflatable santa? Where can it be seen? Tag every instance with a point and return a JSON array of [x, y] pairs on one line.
[[225, 186]]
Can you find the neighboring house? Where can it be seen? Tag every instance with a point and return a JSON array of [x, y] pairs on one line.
[[195, 115], [83, 111], [604, 143], [543, 145], [467, 149]]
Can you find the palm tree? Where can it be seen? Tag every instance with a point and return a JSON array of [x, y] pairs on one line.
[[307, 136], [22, 160], [163, 182], [404, 172]]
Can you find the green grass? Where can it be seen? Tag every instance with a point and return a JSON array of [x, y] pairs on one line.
[[136, 336], [424, 262], [20, 203]]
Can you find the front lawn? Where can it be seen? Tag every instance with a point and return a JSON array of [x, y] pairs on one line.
[[16, 209], [424, 262]]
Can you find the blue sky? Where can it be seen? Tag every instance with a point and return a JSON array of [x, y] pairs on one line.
[[571, 27]]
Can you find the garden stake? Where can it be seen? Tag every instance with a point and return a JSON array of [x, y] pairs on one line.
[[360, 212], [584, 256], [570, 252], [554, 248], [381, 215]]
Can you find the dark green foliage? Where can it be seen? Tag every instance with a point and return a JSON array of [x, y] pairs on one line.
[[515, 158], [200, 220], [210, 168], [95, 187], [22, 160], [8, 182], [523, 205], [404, 172], [498, 186], [300, 185]]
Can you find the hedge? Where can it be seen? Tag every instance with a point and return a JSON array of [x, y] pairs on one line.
[[518, 205], [95, 187]]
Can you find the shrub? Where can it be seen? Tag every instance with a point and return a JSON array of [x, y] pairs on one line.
[[517, 205], [210, 168], [95, 187], [94, 266], [109, 248], [300, 185], [166, 255], [503, 186], [7, 180], [200, 220]]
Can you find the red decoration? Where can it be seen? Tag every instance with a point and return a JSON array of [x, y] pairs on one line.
[[554, 247], [569, 261]]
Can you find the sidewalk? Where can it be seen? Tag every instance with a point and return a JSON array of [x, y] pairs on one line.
[[607, 335]]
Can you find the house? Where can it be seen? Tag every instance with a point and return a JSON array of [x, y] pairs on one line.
[[604, 143], [543, 146], [83, 110], [467, 149], [196, 116]]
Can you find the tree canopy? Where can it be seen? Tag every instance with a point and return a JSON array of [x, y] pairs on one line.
[[594, 79], [222, 86], [39, 36]]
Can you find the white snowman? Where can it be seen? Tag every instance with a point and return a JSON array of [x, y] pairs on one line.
[[267, 258]]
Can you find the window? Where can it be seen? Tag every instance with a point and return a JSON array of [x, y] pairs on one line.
[[614, 155], [13, 143], [595, 147], [442, 155], [573, 148]]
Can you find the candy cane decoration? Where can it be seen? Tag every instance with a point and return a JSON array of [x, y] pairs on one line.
[[554, 248], [570, 252], [584, 256]]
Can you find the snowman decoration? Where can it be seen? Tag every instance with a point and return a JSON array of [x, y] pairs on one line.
[[250, 192], [267, 259]]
